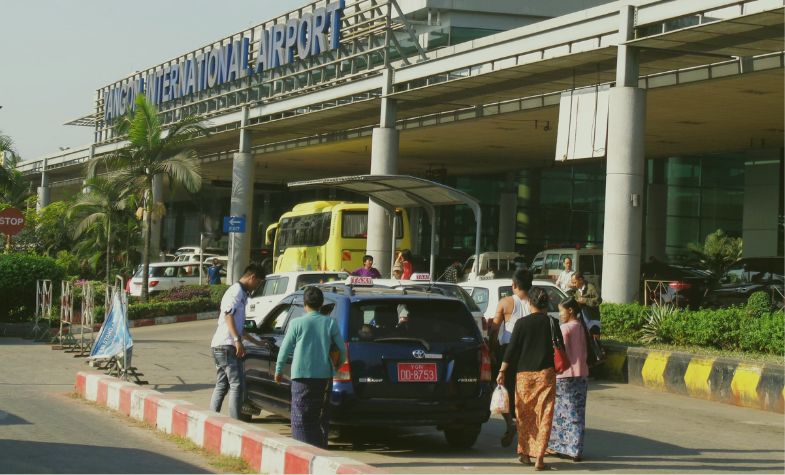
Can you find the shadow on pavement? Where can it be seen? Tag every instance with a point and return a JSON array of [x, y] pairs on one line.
[[22, 456], [8, 419], [604, 450]]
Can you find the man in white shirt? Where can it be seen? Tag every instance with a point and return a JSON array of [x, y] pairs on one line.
[[227, 346], [565, 277]]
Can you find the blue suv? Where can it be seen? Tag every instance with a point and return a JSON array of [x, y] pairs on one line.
[[414, 359]]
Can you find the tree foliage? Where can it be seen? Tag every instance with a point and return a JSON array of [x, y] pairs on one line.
[[152, 151], [717, 253]]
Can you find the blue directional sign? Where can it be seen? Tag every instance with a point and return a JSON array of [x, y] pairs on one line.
[[234, 224]]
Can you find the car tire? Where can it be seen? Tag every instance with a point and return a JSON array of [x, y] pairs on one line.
[[462, 437], [248, 411]]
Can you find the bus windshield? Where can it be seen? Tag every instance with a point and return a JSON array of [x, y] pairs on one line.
[[308, 230]]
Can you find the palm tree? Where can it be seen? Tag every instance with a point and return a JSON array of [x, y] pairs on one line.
[[104, 205], [150, 152], [7, 152]]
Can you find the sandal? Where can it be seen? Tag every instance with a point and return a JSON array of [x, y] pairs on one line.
[[508, 436], [543, 467], [525, 462]]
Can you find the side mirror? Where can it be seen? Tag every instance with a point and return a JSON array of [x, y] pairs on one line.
[[250, 326]]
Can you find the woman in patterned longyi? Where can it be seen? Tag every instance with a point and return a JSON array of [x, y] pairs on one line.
[[569, 419], [531, 349]]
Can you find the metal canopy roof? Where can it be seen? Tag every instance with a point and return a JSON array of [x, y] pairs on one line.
[[395, 190], [403, 191]]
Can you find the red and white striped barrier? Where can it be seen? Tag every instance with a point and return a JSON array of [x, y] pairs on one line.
[[263, 450]]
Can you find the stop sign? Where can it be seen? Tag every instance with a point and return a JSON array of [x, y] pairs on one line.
[[11, 221]]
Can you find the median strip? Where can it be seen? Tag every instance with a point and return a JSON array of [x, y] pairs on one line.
[[264, 451]]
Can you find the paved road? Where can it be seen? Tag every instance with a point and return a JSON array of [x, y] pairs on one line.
[[630, 429], [45, 430]]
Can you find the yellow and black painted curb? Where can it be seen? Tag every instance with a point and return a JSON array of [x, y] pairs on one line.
[[756, 385]]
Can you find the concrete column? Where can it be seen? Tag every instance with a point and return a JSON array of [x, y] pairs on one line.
[[384, 161], [243, 170], [527, 233], [43, 190], [508, 207], [625, 173], [656, 212], [762, 176]]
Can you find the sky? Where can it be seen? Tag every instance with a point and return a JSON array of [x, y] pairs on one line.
[[57, 53]]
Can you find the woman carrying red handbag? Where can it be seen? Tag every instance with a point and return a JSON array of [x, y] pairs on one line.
[[531, 348], [569, 419]]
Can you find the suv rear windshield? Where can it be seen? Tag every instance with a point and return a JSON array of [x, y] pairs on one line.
[[432, 321]]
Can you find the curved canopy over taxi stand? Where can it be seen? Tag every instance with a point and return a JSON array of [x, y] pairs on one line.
[[403, 191]]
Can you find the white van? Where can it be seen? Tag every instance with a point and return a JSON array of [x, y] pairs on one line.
[[503, 264], [548, 264]]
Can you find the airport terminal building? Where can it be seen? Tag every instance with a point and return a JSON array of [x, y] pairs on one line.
[[635, 126]]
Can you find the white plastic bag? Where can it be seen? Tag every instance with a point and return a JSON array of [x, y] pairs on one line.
[[500, 400]]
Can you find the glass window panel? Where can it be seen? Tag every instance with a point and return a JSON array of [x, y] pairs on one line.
[[680, 231], [725, 172], [683, 171], [722, 203], [683, 201]]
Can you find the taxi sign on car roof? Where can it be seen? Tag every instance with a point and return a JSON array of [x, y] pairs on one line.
[[358, 281], [421, 276]]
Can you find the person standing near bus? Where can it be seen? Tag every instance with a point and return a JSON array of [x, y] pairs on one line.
[[405, 258], [367, 270]]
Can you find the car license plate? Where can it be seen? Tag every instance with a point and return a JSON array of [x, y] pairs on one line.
[[417, 372]]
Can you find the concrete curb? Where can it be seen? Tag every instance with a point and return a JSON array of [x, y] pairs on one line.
[[165, 320], [730, 381], [264, 451]]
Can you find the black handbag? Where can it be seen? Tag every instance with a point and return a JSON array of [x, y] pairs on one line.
[[595, 354]]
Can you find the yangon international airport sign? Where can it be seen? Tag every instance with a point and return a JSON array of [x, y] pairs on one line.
[[280, 44]]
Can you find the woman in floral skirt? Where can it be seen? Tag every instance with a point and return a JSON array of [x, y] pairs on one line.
[[569, 418]]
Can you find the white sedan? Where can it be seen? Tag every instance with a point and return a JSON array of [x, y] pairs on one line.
[[279, 285], [487, 293], [165, 276]]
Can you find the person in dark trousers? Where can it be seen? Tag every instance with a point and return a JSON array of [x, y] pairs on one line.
[[589, 299], [310, 338], [227, 345], [214, 272]]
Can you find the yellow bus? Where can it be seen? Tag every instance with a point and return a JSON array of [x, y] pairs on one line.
[[327, 235]]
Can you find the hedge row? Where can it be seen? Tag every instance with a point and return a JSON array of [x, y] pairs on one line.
[[178, 301], [18, 275], [749, 328]]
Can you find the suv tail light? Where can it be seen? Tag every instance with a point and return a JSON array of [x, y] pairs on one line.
[[485, 363], [344, 372], [152, 283], [680, 285]]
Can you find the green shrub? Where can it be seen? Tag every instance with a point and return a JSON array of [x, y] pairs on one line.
[[725, 329], [18, 275], [765, 334], [160, 309], [758, 304], [655, 330], [623, 322]]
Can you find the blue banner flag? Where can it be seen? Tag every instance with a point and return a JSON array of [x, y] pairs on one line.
[[114, 336]]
